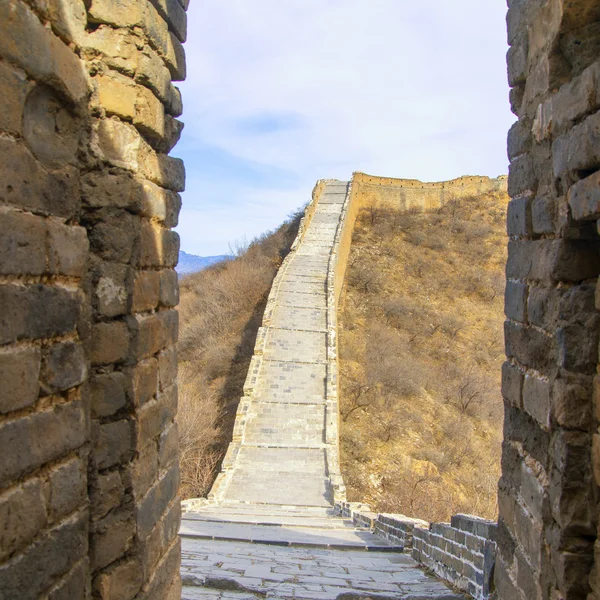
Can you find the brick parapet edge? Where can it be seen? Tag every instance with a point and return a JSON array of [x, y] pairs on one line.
[[462, 552]]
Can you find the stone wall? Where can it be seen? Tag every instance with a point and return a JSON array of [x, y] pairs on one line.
[[88, 195], [551, 461]]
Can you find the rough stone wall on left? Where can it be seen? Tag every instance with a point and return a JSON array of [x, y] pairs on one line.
[[88, 196]]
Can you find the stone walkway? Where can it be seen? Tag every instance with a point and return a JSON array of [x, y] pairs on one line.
[[269, 529]]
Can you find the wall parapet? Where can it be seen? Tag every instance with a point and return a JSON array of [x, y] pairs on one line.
[[462, 552]]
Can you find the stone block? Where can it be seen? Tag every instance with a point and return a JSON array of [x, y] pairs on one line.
[[153, 73], [515, 301], [519, 217], [116, 95], [25, 184], [174, 14], [145, 381], [148, 335], [46, 113], [168, 447], [584, 198], [519, 139], [165, 171], [36, 311], [40, 438], [111, 290], [114, 444], [34, 48], [117, 143], [169, 288], [578, 348], [537, 399], [171, 245], [108, 393], [143, 471], [64, 366], [522, 180], [117, 47], [158, 498], [174, 105], [23, 516], [166, 580], [119, 13], [149, 115], [157, 30], [112, 237], [22, 244], [531, 347], [519, 427], [578, 149], [175, 58], [19, 372], [146, 285], [167, 365], [156, 415], [106, 493], [111, 538], [41, 564], [543, 215], [517, 61], [67, 488], [67, 249], [68, 19], [110, 343], [105, 189], [173, 129], [151, 251], [14, 87], [122, 582], [170, 321]]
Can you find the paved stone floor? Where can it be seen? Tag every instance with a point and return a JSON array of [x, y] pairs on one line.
[[270, 531]]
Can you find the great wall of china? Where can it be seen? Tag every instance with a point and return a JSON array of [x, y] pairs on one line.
[[89, 467]]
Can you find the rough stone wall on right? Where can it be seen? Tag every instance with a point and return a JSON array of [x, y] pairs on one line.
[[548, 493]]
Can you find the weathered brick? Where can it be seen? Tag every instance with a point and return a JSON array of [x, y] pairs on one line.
[[67, 249], [116, 95], [112, 238], [170, 321], [68, 20], [40, 438], [107, 492], [584, 198], [543, 215], [155, 415], [167, 365], [19, 372], [168, 447], [174, 104], [22, 244], [74, 585], [530, 347], [159, 203], [146, 286], [153, 73], [156, 501], [148, 335], [174, 14], [117, 143], [521, 177], [108, 393], [114, 443], [64, 366], [110, 538], [537, 399], [143, 471], [112, 289], [122, 582], [35, 49], [149, 114], [116, 12], [515, 301], [67, 488], [117, 46], [166, 581], [41, 564], [579, 149], [14, 87], [169, 288], [570, 401], [175, 58], [144, 381], [165, 171], [104, 189], [110, 342], [25, 184], [23, 516]]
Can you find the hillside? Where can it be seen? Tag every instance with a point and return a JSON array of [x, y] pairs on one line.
[[421, 348], [191, 263], [221, 309]]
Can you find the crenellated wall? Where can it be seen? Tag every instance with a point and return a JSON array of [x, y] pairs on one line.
[[88, 196], [547, 535]]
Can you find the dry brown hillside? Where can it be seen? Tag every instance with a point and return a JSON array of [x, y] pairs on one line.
[[221, 309], [421, 349]]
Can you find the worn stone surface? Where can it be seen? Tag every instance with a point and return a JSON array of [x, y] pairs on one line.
[[547, 497], [86, 123]]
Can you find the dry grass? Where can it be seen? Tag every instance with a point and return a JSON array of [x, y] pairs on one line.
[[421, 350], [221, 309]]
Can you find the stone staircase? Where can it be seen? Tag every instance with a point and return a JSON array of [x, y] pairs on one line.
[[268, 528]]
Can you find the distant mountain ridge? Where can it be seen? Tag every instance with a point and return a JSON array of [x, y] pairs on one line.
[[191, 263]]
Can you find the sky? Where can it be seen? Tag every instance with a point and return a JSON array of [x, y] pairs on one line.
[[280, 94]]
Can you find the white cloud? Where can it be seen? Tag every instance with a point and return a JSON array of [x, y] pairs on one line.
[[394, 88]]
